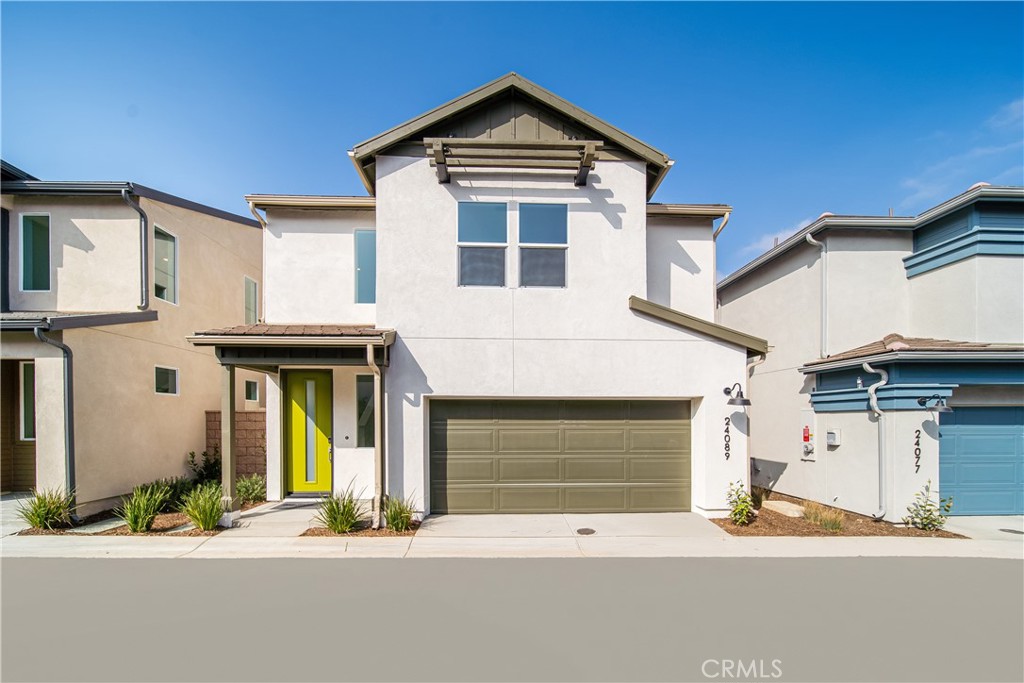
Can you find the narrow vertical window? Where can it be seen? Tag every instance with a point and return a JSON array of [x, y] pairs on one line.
[[27, 395], [543, 242], [364, 411], [35, 253], [311, 431], [366, 266], [166, 381], [482, 238], [165, 268], [252, 390], [251, 297]]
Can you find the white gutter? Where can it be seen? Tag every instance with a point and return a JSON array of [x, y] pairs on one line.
[[721, 226], [754, 363], [143, 249], [823, 261], [873, 401], [383, 339], [378, 435], [980, 355]]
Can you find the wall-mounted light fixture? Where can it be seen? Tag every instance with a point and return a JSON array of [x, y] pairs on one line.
[[736, 397], [940, 403]]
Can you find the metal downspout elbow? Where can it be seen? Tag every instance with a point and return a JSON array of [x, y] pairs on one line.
[[873, 402], [69, 416], [143, 249]]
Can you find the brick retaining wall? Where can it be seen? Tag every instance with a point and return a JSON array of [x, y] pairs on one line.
[[250, 439]]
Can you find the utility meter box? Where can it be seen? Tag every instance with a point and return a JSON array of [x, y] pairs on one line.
[[833, 438]]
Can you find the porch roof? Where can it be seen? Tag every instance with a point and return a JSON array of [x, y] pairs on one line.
[[324, 334], [894, 347], [66, 320]]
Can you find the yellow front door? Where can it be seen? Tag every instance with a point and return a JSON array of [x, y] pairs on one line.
[[308, 415]]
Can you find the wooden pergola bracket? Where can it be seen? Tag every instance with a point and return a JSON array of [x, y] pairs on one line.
[[479, 155]]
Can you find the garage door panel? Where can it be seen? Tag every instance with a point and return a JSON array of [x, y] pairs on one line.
[[529, 499], [595, 440], [981, 460], [578, 470], [558, 456], [985, 473], [529, 440], [513, 470], [596, 499]]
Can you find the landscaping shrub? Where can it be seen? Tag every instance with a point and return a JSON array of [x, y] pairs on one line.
[[207, 469], [140, 509], [741, 505], [830, 519], [252, 489], [177, 488], [398, 513], [47, 509], [341, 513], [202, 505], [925, 513]]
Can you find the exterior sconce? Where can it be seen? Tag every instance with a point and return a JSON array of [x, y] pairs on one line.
[[940, 403], [738, 399]]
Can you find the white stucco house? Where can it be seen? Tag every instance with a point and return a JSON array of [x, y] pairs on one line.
[[505, 323], [897, 357]]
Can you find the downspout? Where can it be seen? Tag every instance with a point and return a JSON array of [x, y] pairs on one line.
[[824, 292], [69, 416], [752, 461], [143, 248], [260, 315], [714, 260], [721, 226], [873, 401], [378, 451]]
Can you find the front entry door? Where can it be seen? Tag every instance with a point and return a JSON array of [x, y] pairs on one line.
[[308, 413]]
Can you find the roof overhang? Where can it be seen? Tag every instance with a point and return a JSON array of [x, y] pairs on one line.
[[67, 321], [829, 222], [707, 328], [688, 210], [293, 201], [385, 338], [996, 355]]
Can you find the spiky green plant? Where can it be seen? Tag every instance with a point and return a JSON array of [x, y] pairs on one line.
[[203, 506], [341, 513], [252, 489], [398, 513], [48, 508], [140, 509]]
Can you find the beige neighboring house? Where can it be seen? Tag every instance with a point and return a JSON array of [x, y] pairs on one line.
[[100, 389]]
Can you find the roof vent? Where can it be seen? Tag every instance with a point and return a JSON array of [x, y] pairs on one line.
[[977, 185]]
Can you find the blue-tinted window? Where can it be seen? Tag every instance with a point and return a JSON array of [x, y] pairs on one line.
[[366, 266], [483, 222], [543, 223], [35, 253]]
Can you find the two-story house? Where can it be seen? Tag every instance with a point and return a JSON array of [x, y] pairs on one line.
[[504, 324], [101, 284], [897, 357]]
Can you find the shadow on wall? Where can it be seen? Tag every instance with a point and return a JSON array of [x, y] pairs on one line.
[[766, 473], [408, 390]]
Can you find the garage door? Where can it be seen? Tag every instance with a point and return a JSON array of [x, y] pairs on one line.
[[559, 456], [981, 460]]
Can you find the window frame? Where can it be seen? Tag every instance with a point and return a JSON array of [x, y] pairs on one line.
[[564, 246], [355, 265], [245, 390], [373, 432], [21, 400], [256, 299], [177, 265], [177, 381], [21, 252], [504, 246]]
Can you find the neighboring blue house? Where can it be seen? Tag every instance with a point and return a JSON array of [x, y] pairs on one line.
[[924, 313]]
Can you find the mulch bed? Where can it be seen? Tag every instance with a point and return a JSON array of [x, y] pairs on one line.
[[365, 530], [163, 523], [98, 517], [771, 523]]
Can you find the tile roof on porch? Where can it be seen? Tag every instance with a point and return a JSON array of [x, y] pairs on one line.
[[894, 344], [264, 330]]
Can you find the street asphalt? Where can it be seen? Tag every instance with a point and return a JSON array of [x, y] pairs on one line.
[[665, 619]]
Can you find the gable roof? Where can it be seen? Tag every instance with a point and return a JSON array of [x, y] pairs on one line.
[[362, 154], [9, 171], [826, 221]]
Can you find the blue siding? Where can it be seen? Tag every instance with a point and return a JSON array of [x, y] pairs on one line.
[[981, 460], [1001, 215], [943, 229]]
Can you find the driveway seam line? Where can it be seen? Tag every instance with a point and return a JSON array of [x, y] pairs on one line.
[[186, 554]]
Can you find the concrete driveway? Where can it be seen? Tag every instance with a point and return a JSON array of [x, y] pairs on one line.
[[633, 525], [10, 521], [988, 528]]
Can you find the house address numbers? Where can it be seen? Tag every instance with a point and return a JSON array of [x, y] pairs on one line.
[[727, 438]]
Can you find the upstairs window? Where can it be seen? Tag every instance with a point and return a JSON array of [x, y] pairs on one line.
[[251, 298], [35, 253], [482, 241], [366, 266], [165, 268], [543, 243]]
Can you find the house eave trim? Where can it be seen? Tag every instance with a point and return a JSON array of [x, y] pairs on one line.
[[69, 322], [896, 356], [385, 339], [704, 327]]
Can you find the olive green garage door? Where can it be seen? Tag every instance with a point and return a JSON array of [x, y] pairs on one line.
[[559, 456]]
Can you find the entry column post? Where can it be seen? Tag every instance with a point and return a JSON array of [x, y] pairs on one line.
[[227, 447]]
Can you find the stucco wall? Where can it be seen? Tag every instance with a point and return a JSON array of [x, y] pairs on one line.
[[681, 265], [580, 341], [310, 262]]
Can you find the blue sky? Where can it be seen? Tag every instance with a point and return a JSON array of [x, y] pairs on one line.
[[782, 110]]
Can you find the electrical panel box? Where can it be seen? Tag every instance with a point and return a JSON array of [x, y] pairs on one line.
[[833, 438], [807, 439]]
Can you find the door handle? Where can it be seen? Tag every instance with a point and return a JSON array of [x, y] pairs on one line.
[[330, 449]]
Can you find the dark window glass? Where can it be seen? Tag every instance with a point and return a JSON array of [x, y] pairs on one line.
[[364, 411], [35, 253], [542, 267], [166, 381], [252, 390], [483, 266]]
